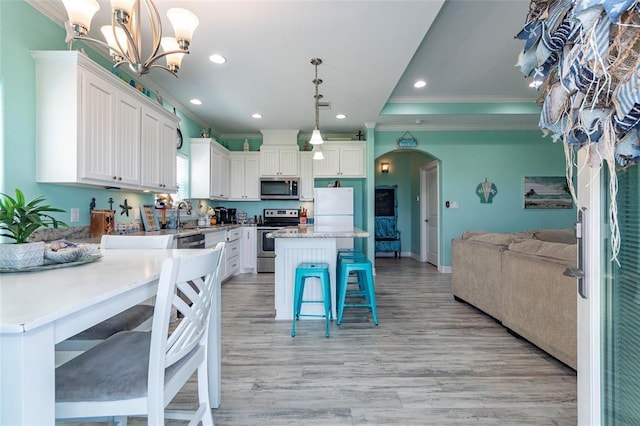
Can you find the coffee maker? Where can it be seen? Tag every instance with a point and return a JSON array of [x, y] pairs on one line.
[[231, 216], [225, 215]]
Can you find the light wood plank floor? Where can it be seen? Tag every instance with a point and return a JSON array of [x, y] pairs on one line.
[[431, 361]]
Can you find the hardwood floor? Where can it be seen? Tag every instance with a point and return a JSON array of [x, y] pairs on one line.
[[431, 361]]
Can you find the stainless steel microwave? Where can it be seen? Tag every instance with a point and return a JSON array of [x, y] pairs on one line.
[[277, 188]]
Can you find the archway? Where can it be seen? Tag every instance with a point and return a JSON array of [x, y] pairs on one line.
[[404, 170]]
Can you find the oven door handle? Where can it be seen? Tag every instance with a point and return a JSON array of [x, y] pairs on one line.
[[196, 244]]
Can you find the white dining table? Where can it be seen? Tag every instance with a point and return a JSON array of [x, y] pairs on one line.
[[40, 309]]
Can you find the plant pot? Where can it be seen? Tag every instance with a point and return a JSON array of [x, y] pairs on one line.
[[18, 256]]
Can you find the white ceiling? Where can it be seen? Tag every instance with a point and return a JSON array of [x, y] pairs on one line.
[[373, 51]]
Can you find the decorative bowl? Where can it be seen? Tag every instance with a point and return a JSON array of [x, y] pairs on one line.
[[66, 255]]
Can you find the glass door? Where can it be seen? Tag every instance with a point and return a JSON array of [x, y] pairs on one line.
[[621, 309]]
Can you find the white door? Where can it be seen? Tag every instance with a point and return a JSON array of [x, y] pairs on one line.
[[589, 188], [429, 208]]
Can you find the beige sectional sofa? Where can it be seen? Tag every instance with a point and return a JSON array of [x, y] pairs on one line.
[[517, 278]]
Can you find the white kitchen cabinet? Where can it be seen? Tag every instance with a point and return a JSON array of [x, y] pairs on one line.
[[248, 250], [89, 125], [244, 175], [341, 160], [158, 152], [232, 252], [107, 157], [219, 172], [306, 176], [210, 241], [279, 160], [209, 169]]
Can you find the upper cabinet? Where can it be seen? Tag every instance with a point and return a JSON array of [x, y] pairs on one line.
[[220, 164], [158, 152], [279, 160], [342, 160], [244, 178], [306, 176], [93, 129], [209, 169], [279, 153]]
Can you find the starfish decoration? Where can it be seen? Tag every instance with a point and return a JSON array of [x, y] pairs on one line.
[[125, 208]]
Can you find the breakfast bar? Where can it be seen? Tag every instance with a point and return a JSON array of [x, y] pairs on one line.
[[295, 245]]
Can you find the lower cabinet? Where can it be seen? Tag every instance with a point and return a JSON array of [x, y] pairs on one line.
[[232, 252], [210, 241], [239, 251]]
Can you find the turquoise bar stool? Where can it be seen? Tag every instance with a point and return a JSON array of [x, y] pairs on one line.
[[360, 279], [364, 270], [311, 270]]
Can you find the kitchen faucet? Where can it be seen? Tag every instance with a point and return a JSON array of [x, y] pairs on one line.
[[182, 204]]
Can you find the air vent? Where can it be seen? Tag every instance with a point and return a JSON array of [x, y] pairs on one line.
[[324, 105]]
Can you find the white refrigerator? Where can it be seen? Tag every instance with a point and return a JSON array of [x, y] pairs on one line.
[[333, 211]]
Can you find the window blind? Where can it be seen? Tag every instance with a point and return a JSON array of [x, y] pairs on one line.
[[182, 177], [621, 319]]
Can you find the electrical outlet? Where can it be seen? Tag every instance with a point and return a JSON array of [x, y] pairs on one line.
[[136, 214], [75, 215], [454, 204]]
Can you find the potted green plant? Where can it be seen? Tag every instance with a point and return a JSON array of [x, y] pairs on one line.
[[18, 220]]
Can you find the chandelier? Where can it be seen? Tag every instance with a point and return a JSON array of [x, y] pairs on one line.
[[124, 36]]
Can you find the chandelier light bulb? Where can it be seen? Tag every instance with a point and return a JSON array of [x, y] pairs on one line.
[[122, 5], [184, 24], [117, 43], [174, 60], [80, 14]]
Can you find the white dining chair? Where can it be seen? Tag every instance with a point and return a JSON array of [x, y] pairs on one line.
[[135, 318], [137, 373]]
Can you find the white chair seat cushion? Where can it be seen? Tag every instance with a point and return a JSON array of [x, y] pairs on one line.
[[116, 369], [124, 321]]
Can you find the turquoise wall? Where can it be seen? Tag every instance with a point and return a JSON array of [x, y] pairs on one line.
[[466, 159], [23, 29]]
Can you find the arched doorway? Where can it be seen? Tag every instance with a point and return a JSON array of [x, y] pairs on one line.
[[411, 170]]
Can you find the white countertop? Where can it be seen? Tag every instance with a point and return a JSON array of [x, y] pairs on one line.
[[309, 231]]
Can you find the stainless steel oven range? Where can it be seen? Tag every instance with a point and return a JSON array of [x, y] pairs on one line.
[[273, 219]]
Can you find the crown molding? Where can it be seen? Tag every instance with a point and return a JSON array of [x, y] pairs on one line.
[[455, 127]]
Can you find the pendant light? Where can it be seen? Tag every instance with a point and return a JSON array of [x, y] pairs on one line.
[[316, 137]]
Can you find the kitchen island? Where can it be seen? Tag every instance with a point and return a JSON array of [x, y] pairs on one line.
[[305, 243]]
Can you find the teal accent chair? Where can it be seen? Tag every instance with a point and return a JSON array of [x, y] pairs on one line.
[[387, 235]]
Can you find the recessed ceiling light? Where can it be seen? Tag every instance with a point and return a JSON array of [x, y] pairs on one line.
[[256, 115], [196, 101], [341, 116], [217, 59], [535, 84], [419, 84]]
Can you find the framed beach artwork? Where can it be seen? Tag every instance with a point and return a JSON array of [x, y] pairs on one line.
[[547, 192]]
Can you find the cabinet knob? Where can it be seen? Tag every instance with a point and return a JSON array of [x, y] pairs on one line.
[[115, 178], [119, 178]]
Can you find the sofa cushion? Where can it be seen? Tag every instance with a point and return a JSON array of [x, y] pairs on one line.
[[567, 252], [566, 236], [468, 234], [500, 239]]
